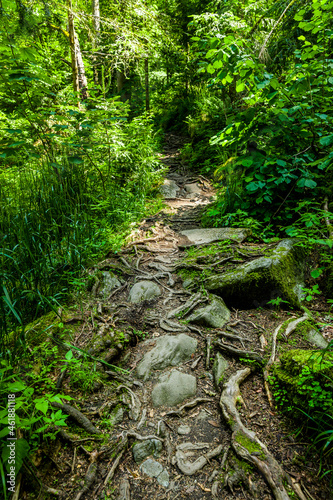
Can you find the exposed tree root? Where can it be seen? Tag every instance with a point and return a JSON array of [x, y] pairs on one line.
[[245, 442], [293, 325], [269, 364], [190, 404], [78, 417], [189, 468], [90, 476], [240, 353]]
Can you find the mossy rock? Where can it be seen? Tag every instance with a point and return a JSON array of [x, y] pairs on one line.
[[306, 379], [45, 328], [255, 283]]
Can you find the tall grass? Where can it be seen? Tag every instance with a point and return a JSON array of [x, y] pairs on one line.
[[55, 217]]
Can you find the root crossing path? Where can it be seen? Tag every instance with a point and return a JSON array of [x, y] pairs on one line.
[[186, 415]]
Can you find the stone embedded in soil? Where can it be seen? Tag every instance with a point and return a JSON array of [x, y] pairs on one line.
[[144, 290], [117, 416], [183, 430], [193, 237], [169, 189], [163, 478], [110, 281], [169, 351], [192, 190], [145, 449], [173, 388], [315, 338], [219, 368], [215, 315], [279, 274], [151, 467]]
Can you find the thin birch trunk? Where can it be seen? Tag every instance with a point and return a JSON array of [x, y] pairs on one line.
[[97, 29]]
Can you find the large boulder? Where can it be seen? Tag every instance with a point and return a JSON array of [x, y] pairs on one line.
[[173, 388], [169, 351], [195, 237], [215, 315], [169, 189], [280, 273], [144, 290]]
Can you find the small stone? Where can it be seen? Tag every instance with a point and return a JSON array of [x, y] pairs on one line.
[[144, 290], [219, 367], [117, 416], [203, 415], [151, 467], [163, 478], [183, 429], [145, 448], [173, 388], [161, 429], [187, 282], [110, 281]]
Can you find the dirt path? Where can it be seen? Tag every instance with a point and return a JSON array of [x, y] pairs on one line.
[[179, 451]]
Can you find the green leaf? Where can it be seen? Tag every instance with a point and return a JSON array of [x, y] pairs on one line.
[[327, 140], [316, 273], [240, 86], [42, 405], [282, 163], [76, 160], [69, 355], [247, 162]]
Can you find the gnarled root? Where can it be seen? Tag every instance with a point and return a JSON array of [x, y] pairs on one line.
[[245, 442]]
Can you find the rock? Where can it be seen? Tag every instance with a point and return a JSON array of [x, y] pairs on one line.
[[183, 430], [169, 189], [124, 490], [194, 237], [203, 415], [187, 282], [163, 478], [316, 339], [145, 448], [117, 416], [219, 367], [253, 284], [151, 467], [192, 190], [173, 388], [110, 281], [161, 429], [144, 290], [216, 314], [169, 351]]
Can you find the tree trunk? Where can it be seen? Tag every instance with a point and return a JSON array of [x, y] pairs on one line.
[[147, 84], [72, 45], [97, 28]]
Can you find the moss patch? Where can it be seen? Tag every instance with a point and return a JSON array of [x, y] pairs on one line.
[[251, 446]]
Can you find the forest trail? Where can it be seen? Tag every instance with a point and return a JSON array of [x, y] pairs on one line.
[[168, 402]]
